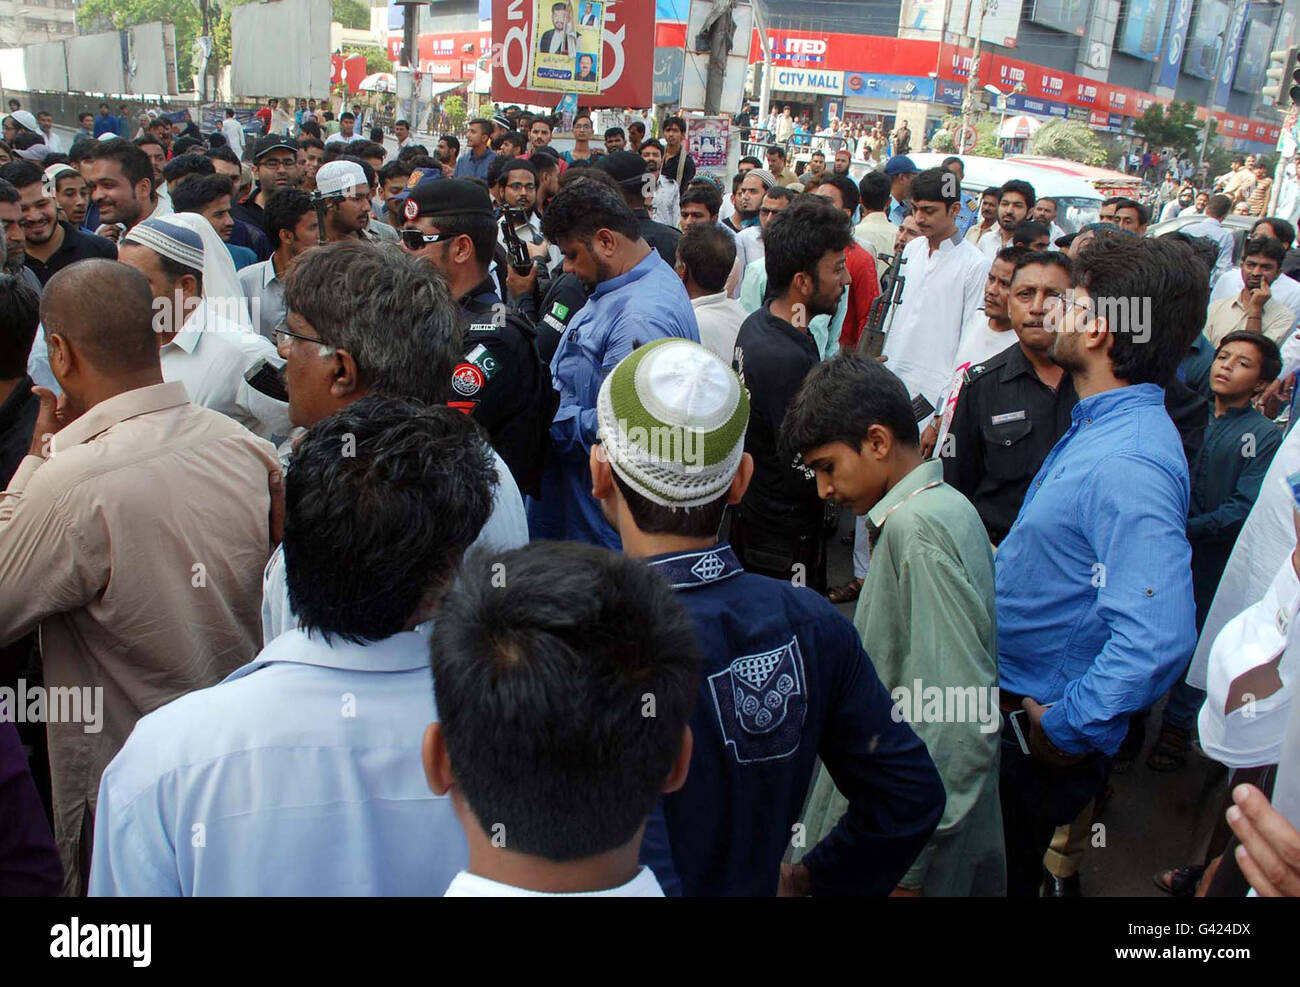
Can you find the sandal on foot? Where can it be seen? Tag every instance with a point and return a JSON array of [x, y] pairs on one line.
[[1180, 882], [1172, 747], [846, 593]]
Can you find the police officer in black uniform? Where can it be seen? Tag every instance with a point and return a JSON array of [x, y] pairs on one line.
[[502, 380]]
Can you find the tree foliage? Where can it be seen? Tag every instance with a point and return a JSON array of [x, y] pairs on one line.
[[376, 57], [1071, 140], [118, 15], [1176, 127]]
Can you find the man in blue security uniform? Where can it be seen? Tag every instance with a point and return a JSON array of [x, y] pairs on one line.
[[501, 381], [636, 298], [784, 678]]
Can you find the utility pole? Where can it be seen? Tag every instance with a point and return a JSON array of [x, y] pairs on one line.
[[719, 26], [410, 57], [972, 77]]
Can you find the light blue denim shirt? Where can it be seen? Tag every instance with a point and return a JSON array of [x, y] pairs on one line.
[[1094, 580]]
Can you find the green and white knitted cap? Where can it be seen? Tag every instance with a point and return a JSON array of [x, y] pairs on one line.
[[672, 419]]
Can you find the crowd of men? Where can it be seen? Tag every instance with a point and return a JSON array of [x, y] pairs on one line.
[[457, 523]]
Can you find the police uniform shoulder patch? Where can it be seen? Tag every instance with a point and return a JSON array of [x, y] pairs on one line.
[[412, 209], [481, 357], [467, 379]]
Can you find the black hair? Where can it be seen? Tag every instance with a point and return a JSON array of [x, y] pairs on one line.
[[312, 128], [993, 190], [1130, 267], [223, 154], [394, 169], [585, 206], [1048, 258], [1205, 249], [543, 118], [377, 137], [1218, 206], [412, 151], [366, 149], [848, 189], [799, 237], [1255, 246], [140, 142], [504, 166], [840, 399], [780, 192], [951, 160], [1013, 254], [818, 153], [542, 687], [423, 475], [1021, 188], [183, 145], [306, 142], [614, 132], [1027, 231], [1143, 213], [484, 125], [8, 193], [81, 148], [935, 185], [750, 159], [21, 173], [709, 253], [636, 125], [184, 165], [1285, 230], [453, 142], [776, 149], [655, 519], [20, 314], [347, 115], [201, 190], [652, 142], [402, 123], [674, 121], [873, 191], [703, 193], [1270, 357], [544, 161], [133, 162], [284, 209]]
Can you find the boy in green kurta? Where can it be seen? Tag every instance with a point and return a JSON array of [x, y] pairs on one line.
[[926, 614]]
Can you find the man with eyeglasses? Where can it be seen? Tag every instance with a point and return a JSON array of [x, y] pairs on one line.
[[518, 189], [343, 186], [501, 380], [583, 152], [275, 165]]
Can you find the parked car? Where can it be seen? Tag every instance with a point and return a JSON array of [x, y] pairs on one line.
[[1077, 201], [1238, 226]]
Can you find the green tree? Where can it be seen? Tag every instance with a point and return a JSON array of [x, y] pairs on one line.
[[1175, 127], [1071, 140], [118, 15], [351, 14], [376, 57], [454, 107]]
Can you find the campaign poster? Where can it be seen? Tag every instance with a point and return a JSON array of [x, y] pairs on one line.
[[707, 141], [567, 44]]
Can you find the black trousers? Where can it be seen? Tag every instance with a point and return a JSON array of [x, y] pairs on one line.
[[1036, 798], [778, 554]]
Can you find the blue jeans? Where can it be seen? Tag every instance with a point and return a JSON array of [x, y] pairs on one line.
[[1184, 704]]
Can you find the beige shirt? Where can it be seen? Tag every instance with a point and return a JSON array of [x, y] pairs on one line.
[[877, 234], [137, 548], [1229, 315]]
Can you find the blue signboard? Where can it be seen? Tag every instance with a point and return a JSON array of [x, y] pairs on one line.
[[1039, 107], [1231, 52], [948, 93], [888, 87], [1173, 54], [1142, 29]]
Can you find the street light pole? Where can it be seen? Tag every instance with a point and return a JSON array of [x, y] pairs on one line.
[[972, 77]]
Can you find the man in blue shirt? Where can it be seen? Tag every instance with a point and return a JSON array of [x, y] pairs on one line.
[[475, 164], [785, 680], [298, 775], [636, 298], [1094, 583]]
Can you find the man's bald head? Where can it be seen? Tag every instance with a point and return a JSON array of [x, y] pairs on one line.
[[105, 311]]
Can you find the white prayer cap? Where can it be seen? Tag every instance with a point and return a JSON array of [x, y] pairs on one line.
[[338, 177]]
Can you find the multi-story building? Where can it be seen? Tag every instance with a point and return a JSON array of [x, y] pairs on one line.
[[30, 22]]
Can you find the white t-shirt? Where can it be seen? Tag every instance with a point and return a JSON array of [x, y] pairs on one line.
[[234, 134], [467, 885]]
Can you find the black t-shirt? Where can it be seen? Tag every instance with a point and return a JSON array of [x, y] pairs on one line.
[[774, 357], [77, 245], [670, 170]]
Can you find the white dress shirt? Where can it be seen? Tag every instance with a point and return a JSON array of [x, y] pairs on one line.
[[210, 356], [233, 131], [719, 319], [666, 207], [1215, 230], [52, 141], [1251, 735], [749, 245], [505, 528], [298, 775], [991, 242], [941, 293], [1266, 538], [467, 885]]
